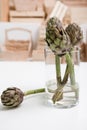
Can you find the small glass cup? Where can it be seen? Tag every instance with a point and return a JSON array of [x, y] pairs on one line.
[[69, 92]]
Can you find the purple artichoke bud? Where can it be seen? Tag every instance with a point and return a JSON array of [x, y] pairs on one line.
[[75, 33], [56, 37], [12, 97]]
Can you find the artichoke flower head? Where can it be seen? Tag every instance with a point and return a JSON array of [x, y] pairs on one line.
[[75, 33], [56, 37], [12, 97]]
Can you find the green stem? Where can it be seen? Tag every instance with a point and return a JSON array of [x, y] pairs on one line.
[[65, 79], [40, 90], [58, 70], [58, 95], [71, 68]]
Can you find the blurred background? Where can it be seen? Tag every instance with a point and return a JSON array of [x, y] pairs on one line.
[[23, 24]]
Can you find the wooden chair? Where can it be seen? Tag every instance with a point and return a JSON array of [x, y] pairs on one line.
[[18, 46]]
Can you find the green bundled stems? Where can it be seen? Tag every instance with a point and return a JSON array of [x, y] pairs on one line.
[[62, 41]]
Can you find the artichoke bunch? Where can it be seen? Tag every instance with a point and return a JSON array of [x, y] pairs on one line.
[[61, 40], [13, 97]]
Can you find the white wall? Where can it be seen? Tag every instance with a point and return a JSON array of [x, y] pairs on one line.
[[34, 27]]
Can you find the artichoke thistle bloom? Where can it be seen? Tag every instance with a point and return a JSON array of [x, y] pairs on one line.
[[13, 97], [56, 37], [61, 42], [75, 33]]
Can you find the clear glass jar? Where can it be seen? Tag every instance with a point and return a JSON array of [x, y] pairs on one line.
[[66, 90]]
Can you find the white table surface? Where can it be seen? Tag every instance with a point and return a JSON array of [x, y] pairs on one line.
[[33, 113]]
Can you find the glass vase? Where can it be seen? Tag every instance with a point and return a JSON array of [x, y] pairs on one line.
[[62, 78]]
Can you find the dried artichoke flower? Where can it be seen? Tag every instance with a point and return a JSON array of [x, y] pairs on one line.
[[13, 97], [75, 33], [56, 37]]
